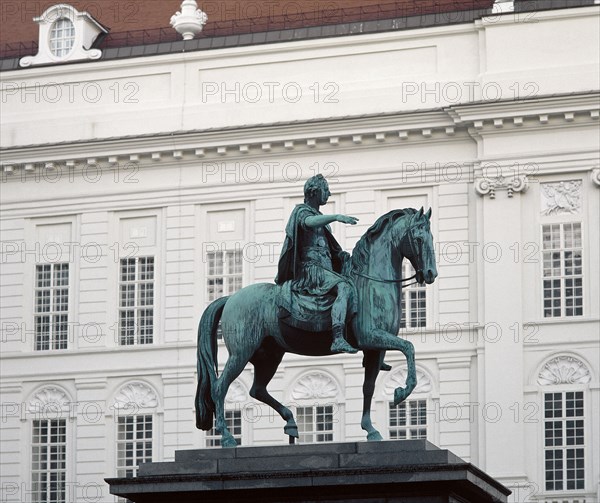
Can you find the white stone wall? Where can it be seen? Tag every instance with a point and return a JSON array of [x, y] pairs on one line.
[[486, 341]]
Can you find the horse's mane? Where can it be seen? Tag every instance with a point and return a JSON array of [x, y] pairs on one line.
[[360, 254]]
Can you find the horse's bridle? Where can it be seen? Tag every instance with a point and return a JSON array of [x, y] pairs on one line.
[[416, 250]]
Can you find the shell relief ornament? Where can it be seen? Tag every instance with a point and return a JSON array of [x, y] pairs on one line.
[[564, 370]]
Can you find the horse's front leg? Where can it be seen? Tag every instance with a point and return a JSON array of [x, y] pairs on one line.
[[372, 364], [382, 340]]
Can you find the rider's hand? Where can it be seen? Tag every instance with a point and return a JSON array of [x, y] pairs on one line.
[[345, 219]]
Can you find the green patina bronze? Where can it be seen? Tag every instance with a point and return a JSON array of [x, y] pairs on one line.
[[323, 302]]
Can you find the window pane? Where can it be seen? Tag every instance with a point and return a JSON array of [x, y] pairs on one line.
[[563, 441], [413, 301], [403, 418], [51, 306], [134, 443], [48, 460], [136, 300], [315, 424], [562, 270], [224, 273]]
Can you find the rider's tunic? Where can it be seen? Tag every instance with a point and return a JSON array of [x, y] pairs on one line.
[[311, 256]]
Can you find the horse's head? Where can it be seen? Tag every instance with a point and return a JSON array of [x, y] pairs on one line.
[[417, 246]]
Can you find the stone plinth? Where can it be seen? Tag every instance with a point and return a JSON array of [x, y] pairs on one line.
[[413, 471]]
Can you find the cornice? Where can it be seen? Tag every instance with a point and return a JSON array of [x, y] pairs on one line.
[[323, 135], [242, 142], [542, 108]]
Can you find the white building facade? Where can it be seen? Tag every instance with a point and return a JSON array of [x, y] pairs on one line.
[[137, 190]]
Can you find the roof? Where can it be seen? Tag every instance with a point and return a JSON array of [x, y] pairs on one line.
[[142, 22]]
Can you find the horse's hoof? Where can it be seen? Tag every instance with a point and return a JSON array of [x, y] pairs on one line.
[[374, 436], [292, 431], [228, 442]]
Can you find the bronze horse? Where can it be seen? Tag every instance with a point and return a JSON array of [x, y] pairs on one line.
[[253, 333]]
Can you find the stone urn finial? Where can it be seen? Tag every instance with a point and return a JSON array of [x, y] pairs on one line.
[[190, 21]]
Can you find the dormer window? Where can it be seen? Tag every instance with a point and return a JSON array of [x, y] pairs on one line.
[[65, 35], [62, 37]]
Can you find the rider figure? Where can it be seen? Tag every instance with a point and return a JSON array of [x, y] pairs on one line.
[[313, 258]]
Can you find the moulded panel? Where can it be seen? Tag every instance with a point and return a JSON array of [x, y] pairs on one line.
[[138, 230], [228, 225]]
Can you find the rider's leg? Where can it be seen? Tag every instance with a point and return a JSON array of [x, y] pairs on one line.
[[338, 320]]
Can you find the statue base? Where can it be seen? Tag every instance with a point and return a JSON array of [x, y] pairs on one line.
[[412, 471]]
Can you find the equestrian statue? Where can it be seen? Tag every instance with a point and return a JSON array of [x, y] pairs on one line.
[[324, 301]]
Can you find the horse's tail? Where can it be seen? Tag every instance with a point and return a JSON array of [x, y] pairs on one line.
[[207, 363]]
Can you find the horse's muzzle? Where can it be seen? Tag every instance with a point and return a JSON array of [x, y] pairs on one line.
[[427, 277]]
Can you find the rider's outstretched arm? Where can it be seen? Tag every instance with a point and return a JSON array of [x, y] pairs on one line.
[[323, 220]]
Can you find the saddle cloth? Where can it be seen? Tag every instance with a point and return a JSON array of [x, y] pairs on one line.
[[306, 312]]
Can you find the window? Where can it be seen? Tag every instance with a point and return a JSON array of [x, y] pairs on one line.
[[562, 270], [49, 460], [413, 301], [224, 277], [51, 306], [136, 290], [224, 274], [233, 418], [563, 441], [62, 37], [315, 424], [408, 420], [134, 443]]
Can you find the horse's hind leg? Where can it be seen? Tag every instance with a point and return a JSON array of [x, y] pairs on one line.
[[233, 368], [265, 365]]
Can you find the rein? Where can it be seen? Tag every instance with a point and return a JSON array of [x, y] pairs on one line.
[[384, 280]]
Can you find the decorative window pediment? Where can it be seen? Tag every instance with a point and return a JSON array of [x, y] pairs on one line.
[[315, 385], [50, 398], [564, 370], [398, 378], [137, 396], [65, 34]]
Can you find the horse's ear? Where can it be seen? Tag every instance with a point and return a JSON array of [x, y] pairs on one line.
[[420, 212], [428, 214]]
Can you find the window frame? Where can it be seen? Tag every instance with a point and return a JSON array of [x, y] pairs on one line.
[[406, 300], [72, 29], [225, 274], [52, 313], [64, 471], [61, 406], [137, 306], [564, 448], [408, 427], [202, 216], [118, 441], [315, 431], [534, 262], [562, 277], [585, 382], [564, 493]]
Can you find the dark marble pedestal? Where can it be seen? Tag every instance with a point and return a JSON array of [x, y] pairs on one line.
[[413, 471]]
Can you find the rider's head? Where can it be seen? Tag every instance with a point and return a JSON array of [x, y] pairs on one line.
[[313, 185]]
